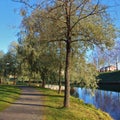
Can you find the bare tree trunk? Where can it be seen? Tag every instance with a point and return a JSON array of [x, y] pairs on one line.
[[60, 70], [43, 83], [14, 83], [0, 80], [67, 76], [43, 77], [30, 75], [117, 63], [68, 52], [29, 82], [59, 91]]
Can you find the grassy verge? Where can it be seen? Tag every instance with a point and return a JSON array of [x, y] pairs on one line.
[[8, 94], [78, 110]]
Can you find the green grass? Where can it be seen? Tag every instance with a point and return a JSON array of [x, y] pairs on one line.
[[54, 110], [8, 94]]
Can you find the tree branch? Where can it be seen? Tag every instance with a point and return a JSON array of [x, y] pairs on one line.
[[23, 2], [93, 12]]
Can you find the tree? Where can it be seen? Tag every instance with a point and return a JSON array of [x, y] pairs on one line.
[[82, 21], [1, 66], [27, 56], [107, 57], [38, 59], [11, 65], [99, 57], [112, 55], [115, 53]]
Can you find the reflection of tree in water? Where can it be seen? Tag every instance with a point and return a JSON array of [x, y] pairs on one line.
[[86, 95], [74, 92], [108, 101]]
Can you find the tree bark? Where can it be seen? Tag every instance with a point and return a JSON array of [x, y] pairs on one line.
[[68, 52], [60, 69], [43, 77], [43, 83], [67, 76], [0, 80], [117, 63], [59, 84]]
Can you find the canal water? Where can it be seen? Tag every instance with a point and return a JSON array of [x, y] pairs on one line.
[[107, 101]]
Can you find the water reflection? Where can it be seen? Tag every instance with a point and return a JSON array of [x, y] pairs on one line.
[[107, 101]]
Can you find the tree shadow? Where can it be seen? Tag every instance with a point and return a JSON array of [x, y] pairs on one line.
[[9, 90], [39, 94], [33, 105], [27, 93]]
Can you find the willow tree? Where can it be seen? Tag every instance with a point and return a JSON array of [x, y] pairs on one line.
[[36, 57], [27, 55], [83, 22]]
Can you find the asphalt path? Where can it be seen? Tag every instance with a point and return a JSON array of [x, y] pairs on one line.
[[28, 107]]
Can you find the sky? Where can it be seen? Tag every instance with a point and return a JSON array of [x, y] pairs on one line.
[[10, 20], [9, 23]]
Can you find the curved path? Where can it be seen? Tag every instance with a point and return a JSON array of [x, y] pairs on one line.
[[28, 107]]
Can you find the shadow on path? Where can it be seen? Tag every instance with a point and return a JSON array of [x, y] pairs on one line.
[[28, 107]]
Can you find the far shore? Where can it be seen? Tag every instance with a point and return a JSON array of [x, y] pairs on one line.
[[109, 82], [54, 87]]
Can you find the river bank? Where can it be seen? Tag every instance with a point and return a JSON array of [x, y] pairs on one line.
[[108, 101], [77, 111], [110, 77]]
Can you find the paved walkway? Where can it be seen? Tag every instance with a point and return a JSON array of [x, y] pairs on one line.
[[28, 107]]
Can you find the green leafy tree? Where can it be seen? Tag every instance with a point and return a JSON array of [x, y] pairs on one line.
[[83, 22], [1, 66]]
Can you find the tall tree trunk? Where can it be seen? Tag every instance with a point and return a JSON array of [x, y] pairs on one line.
[[59, 84], [43, 79], [43, 83], [60, 70], [29, 82], [30, 76], [67, 76], [14, 77], [68, 52], [117, 63], [0, 80], [14, 83]]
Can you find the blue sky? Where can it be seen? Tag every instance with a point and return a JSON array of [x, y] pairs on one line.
[[9, 23], [10, 20]]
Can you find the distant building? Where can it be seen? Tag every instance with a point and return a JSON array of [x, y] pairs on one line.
[[102, 69], [108, 68]]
